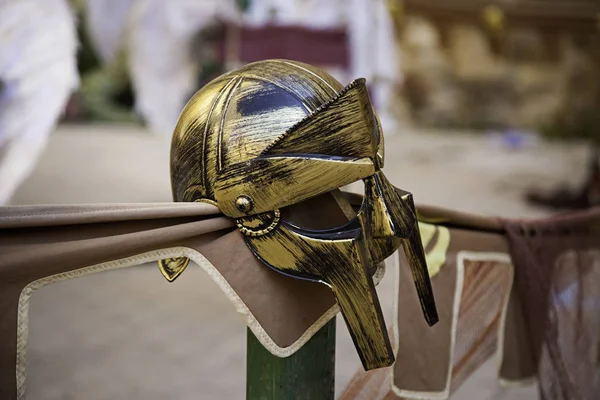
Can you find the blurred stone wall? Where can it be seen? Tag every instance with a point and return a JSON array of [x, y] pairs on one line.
[[460, 76]]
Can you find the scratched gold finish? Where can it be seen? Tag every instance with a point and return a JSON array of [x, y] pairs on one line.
[[274, 133]]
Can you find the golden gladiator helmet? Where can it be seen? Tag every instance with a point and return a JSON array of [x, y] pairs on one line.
[[259, 140]]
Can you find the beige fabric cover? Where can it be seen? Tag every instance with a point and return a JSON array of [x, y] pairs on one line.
[[43, 244], [479, 315], [468, 257]]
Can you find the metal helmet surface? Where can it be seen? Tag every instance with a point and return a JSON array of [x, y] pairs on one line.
[[256, 121], [276, 133]]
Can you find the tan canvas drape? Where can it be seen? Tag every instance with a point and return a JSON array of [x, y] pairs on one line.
[[44, 244], [473, 261], [526, 290]]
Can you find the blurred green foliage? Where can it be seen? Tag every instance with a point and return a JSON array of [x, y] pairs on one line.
[[105, 92]]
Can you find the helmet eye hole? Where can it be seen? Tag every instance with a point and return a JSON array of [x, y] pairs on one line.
[[324, 212], [317, 213]]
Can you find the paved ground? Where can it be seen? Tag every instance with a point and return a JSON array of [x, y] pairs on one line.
[[130, 335]]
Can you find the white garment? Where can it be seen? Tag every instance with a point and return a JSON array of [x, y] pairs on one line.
[[157, 35], [160, 32], [374, 55], [162, 68], [38, 70], [106, 23], [315, 14]]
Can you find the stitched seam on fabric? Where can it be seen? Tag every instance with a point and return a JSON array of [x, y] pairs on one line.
[[517, 383], [198, 258], [444, 394], [461, 257]]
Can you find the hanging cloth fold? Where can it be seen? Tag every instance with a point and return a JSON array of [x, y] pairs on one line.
[[40, 245]]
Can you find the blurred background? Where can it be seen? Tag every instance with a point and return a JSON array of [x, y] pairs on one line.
[[488, 107]]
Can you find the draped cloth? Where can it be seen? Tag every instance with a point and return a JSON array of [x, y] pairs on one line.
[[544, 327], [38, 73], [40, 245], [527, 291], [557, 265]]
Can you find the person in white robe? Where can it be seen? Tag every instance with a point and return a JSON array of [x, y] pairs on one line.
[[38, 73], [157, 37]]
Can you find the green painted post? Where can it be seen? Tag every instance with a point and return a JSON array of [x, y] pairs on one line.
[[307, 374]]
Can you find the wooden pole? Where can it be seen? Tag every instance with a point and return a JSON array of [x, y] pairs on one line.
[[307, 374]]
